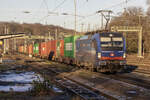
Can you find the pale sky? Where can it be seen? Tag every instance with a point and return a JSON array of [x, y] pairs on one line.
[[12, 10]]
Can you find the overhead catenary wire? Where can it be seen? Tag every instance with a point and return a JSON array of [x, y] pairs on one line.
[[83, 4], [87, 16], [38, 9], [113, 6], [46, 5], [118, 4], [59, 5]]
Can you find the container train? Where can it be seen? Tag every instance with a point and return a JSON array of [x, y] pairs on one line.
[[103, 52]]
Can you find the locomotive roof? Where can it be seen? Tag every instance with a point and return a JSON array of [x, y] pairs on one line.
[[107, 34], [104, 34]]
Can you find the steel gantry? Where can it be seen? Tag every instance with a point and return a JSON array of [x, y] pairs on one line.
[[125, 29]]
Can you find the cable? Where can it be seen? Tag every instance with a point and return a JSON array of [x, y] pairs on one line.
[[87, 16], [59, 5], [46, 5], [83, 4], [38, 9], [53, 9], [119, 4]]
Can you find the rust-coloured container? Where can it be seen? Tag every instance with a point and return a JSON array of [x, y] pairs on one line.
[[60, 48], [43, 50], [21, 48], [25, 49], [51, 49], [18, 49], [30, 49]]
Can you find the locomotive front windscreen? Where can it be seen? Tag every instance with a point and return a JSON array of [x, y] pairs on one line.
[[111, 43]]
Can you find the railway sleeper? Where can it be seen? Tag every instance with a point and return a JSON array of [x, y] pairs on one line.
[[79, 90]]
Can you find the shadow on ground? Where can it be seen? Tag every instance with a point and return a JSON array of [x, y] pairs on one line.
[[128, 69]]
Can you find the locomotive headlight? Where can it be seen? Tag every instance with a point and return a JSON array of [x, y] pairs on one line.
[[124, 55], [99, 55]]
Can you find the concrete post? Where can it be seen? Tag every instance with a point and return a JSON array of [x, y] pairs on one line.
[[140, 43], [7, 40], [15, 44]]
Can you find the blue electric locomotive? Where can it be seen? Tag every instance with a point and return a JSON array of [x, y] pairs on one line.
[[102, 51]]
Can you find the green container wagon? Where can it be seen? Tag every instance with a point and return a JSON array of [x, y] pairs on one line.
[[69, 43], [36, 49]]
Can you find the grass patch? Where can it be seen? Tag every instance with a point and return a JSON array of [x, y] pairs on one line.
[[41, 87]]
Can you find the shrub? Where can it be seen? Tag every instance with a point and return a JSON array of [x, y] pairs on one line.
[[41, 87]]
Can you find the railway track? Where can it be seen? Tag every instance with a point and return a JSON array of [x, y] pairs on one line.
[[81, 90], [84, 93]]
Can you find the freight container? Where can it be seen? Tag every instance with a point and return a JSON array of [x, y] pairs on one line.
[[44, 50], [21, 49], [30, 49], [69, 43], [25, 49], [36, 49], [69, 48], [51, 49], [60, 50]]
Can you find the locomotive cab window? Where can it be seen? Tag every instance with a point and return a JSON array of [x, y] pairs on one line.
[[111, 43], [117, 42]]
